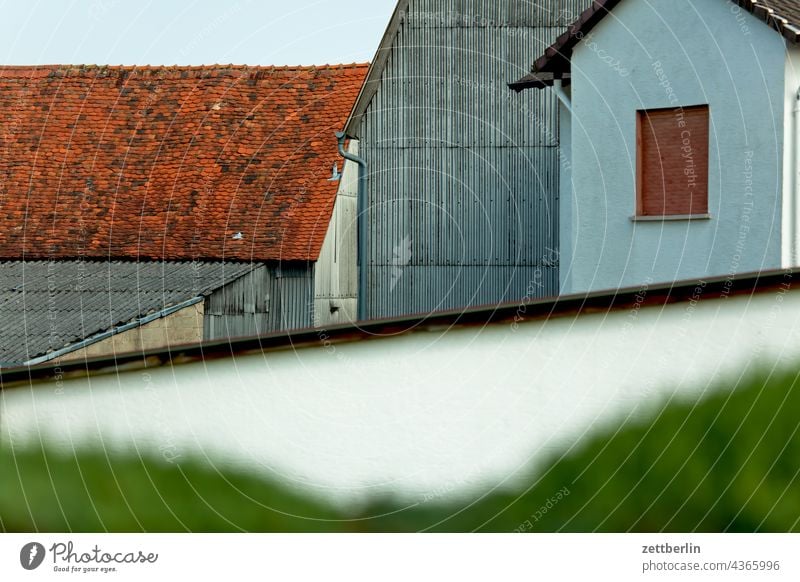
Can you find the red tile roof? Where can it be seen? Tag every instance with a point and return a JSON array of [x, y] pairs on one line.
[[170, 162]]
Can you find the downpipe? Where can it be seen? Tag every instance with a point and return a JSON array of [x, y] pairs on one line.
[[361, 244], [558, 89], [793, 228]]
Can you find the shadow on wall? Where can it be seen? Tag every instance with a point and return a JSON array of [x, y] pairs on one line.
[[729, 463]]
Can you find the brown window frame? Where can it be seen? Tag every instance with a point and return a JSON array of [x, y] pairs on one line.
[[642, 117]]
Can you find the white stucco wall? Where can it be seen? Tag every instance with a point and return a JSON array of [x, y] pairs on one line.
[[435, 410], [711, 53], [336, 270]]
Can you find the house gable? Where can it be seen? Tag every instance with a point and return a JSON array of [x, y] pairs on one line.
[[782, 16], [676, 55]]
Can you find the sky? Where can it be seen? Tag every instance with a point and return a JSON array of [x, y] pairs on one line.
[[191, 32]]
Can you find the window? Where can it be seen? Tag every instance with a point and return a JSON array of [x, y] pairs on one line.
[[672, 162]]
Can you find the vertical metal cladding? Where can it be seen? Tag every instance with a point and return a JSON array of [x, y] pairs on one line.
[[292, 303], [268, 299], [463, 172]]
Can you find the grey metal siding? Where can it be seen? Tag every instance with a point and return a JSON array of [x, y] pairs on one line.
[[463, 173], [265, 300], [292, 298]]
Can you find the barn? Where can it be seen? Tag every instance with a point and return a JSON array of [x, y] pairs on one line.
[[143, 207], [461, 185]]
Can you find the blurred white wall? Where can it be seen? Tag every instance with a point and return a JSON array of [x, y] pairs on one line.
[[424, 413]]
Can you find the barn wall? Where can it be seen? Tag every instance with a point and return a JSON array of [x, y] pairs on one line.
[[267, 299], [463, 173], [292, 305], [179, 328]]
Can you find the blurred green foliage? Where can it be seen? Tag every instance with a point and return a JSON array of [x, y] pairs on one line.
[[95, 493], [729, 463]]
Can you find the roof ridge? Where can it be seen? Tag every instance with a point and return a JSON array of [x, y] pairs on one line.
[[89, 69]]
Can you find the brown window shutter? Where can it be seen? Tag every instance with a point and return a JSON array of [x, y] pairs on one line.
[[672, 161]]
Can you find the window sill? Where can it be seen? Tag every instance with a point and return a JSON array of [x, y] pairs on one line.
[[670, 217]]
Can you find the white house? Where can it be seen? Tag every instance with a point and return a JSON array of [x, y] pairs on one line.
[[679, 139]]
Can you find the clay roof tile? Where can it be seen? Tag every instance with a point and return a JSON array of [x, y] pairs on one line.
[[168, 162]]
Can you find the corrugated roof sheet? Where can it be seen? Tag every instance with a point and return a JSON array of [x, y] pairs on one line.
[[48, 305], [170, 163]]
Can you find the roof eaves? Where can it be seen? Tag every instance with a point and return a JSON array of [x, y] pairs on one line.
[[787, 26], [373, 80], [538, 81], [557, 57], [791, 33]]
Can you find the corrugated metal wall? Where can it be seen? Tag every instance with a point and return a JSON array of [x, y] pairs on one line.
[[265, 300], [463, 172]]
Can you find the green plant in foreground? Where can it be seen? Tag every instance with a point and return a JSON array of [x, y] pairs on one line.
[[729, 463], [91, 492]]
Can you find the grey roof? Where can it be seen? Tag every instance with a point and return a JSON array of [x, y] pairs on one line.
[[48, 305]]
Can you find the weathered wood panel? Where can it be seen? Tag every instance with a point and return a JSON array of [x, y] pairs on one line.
[[336, 271], [265, 300]]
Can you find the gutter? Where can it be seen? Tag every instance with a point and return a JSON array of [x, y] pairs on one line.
[[362, 224], [113, 331]]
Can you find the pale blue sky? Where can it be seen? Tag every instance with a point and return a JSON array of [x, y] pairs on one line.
[[191, 32]]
